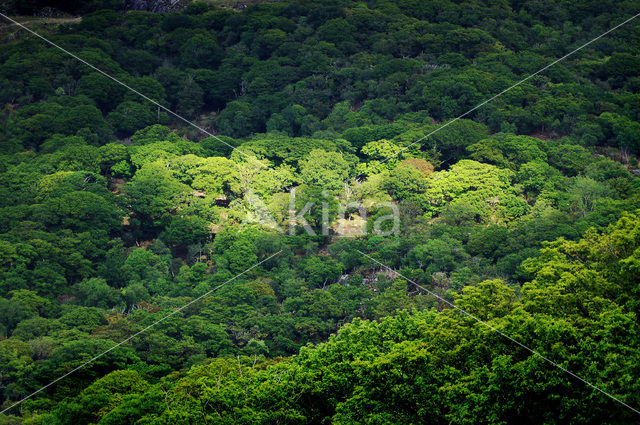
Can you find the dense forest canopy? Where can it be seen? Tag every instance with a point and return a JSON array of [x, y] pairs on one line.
[[525, 213]]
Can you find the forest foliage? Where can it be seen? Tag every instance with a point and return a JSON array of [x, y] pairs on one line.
[[525, 213]]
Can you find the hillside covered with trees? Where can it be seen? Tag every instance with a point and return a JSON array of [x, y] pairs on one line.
[[524, 214]]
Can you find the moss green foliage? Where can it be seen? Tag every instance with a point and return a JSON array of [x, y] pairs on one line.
[[432, 367], [113, 213]]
